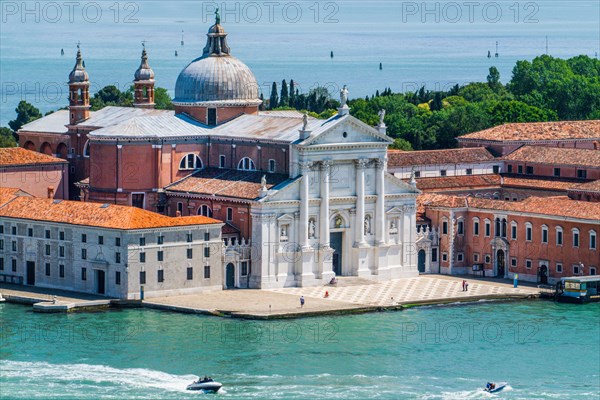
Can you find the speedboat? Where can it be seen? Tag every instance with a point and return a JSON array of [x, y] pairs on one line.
[[207, 385], [495, 387]]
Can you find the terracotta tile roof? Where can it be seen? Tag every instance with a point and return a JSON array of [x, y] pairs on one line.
[[226, 183], [7, 194], [558, 206], [465, 182], [539, 131], [593, 186], [229, 229], [555, 156], [94, 214], [21, 156], [399, 158], [538, 183]]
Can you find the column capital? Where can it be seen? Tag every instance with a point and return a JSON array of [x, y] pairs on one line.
[[361, 164], [326, 165], [381, 163], [305, 166]]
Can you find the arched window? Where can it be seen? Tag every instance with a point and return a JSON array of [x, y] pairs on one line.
[[190, 162], [86, 149], [593, 244], [559, 236], [205, 210], [513, 230], [246, 164], [544, 234], [528, 231], [475, 226], [575, 237]]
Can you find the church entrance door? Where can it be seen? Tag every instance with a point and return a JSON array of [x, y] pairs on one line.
[[335, 241]]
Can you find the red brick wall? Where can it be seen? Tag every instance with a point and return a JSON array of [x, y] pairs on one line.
[[223, 113]]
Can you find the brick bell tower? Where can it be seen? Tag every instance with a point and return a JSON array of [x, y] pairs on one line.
[[79, 92], [144, 84]]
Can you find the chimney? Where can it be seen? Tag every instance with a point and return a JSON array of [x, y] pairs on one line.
[[50, 192]]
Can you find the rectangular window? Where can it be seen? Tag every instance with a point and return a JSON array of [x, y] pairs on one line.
[[559, 268], [61, 251], [1, 244], [207, 236], [528, 233], [417, 174], [100, 239], [83, 238], [559, 238], [142, 257], [1, 228], [444, 257], [476, 228], [544, 235], [160, 255], [13, 230], [160, 239], [47, 234], [212, 117], [61, 271], [84, 254], [118, 242], [221, 161], [488, 229], [229, 214], [513, 262], [118, 258], [142, 241], [117, 277], [575, 239], [206, 251], [592, 271], [47, 269], [443, 172], [2, 264], [509, 168], [528, 264], [582, 174], [460, 257], [48, 250], [513, 232], [444, 227], [496, 169], [488, 259], [434, 254], [207, 272], [84, 274], [61, 235], [190, 273], [529, 170], [14, 245], [180, 208], [30, 232], [14, 265], [575, 269], [469, 171], [520, 169], [475, 257], [244, 268], [271, 165], [592, 241], [190, 238], [161, 276], [557, 172], [190, 253], [142, 277], [460, 228]]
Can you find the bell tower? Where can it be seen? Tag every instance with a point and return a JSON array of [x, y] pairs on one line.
[[144, 84], [79, 92]]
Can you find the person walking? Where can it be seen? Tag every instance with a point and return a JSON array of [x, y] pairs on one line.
[[463, 284], [466, 286], [301, 301]]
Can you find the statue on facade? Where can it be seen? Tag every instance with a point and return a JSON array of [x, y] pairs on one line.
[[305, 121], [393, 228], [311, 229], [344, 96], [338, 222], [367, 225], [263, 183], [381, 117]]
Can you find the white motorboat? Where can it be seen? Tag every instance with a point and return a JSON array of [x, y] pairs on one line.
[[492, 387], [207, 385]]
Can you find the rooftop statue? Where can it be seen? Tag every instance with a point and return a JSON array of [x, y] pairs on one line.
[[217, 17], [344, 96]]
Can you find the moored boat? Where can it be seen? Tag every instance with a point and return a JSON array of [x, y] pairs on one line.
[[578, 289]]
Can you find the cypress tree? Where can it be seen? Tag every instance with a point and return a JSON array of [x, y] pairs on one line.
[[285, 97], [274, 100], [292, 100]]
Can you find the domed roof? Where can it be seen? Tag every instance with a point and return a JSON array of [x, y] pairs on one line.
[[217, 76], [79, 74], [144, 72]]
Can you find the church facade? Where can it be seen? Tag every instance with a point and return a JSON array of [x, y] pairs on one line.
[[302, 199]]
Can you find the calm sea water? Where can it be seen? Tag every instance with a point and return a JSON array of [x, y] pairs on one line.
[[436, 43], [544, 351]]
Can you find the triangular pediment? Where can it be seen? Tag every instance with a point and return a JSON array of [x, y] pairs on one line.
[[395, 185], [341, 130]]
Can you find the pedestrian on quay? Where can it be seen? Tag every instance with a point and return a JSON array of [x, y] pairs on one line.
[[301, 301], [466, 286], [464, 282]]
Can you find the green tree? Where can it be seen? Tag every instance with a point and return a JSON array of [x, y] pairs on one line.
[[7, 138], [437, 103], [493, 78], [401, 144], [274, 99], [292, 99], [285, 97], [111, 96], [26, 113], [162, 100]]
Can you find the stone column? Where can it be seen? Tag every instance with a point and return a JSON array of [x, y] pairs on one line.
[[324, 214], [380, 205], [304, 200], [360, 202]]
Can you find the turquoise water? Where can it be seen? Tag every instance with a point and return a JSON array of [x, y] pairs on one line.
[[437, 44], [544, 351]]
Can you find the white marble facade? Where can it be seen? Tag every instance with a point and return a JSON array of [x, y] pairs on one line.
[[340, 214]]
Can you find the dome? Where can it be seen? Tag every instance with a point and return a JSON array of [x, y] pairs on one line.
[[217, 76], [79, 74], [144, 72]]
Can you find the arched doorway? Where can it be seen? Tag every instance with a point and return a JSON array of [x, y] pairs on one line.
[[62, 151], [543, 274], [421, 261], [45, 148], [230, 276], [500, 263], [29, 145]]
